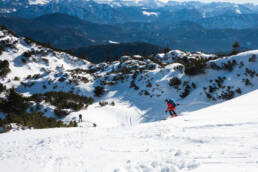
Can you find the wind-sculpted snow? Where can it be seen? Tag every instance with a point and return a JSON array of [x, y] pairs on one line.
[[218, 138]]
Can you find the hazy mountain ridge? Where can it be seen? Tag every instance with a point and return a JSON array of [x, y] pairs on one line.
[[62, 31], [106, 12], [70, 32], [101, 53], [172, 24]]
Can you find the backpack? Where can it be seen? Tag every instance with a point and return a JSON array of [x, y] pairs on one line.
[[171, 101]]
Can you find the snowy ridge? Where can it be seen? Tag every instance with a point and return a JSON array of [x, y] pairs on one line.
[[138, 85]]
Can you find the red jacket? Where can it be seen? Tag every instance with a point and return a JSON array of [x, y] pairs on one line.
[[170, 107]]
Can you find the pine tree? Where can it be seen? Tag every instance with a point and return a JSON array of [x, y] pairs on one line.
[[84, 55], [109, 58], [15, 102], [235, 47], [167, 49]]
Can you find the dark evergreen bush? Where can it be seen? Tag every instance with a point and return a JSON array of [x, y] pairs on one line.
[[103, 103], [209, 96], [194, 66], [99, 91], [45, 60], [14, 103], [186, 91], [27, 54], [16, 78], [193, 85], [167, 49], [73, 124], [250, 72], [2, 88], [212, 88], [235, 47], [8, 43], [146, 93], [252, 59], [62, 79], [247, 82], [1, 50], [1, 122], [214, 66], [149, 85], [44, 86], [133, 85], [229, 65], [135, 75], [35, 119], [15, 106], [220, 81], [36, 76], [63, 100], [241, 64], [112, 103], [227, 95], [4, 68], [239, 91], [60, 113], [175, 82]]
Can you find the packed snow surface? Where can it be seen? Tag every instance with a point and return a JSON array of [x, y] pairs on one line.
[[222, 137]]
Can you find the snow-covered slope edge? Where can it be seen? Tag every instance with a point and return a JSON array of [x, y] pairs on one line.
[[137, 85], [218, 138]]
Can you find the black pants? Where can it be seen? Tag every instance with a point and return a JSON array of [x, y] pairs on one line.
[[172, 112]]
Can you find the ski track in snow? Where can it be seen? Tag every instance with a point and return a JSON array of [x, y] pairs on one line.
[[205, 140]]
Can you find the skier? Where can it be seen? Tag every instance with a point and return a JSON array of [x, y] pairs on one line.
[[171, 107], [80, 118]]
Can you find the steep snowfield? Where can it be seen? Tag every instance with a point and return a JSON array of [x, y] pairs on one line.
[[222, 137]]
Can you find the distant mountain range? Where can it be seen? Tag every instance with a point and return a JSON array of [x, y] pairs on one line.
[[208, 15], [68, 32], [62, 31], [192, 26]]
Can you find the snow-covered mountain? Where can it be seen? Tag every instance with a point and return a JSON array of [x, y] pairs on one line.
[[218, 138], [113, 3], [118, 11], [131, 134], [195, 80], [68, 32]]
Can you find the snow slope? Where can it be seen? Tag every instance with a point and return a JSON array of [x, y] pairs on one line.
[[222, 137], [131, 135], [47, 70]]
